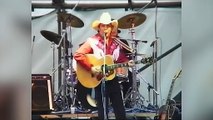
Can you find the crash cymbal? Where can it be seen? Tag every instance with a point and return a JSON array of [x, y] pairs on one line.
[[70, 19], [131, 20], [51, 36]]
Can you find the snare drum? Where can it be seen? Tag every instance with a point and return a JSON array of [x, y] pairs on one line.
[[122, 74]]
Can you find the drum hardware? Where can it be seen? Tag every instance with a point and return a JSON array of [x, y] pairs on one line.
[[66, 93], [123, 45], [54, 39], [129, 22], [69, 78]]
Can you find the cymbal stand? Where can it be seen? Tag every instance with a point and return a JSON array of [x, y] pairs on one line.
[[70, 75], [149, 87], [135, 97], [61, 97], [53, 67]]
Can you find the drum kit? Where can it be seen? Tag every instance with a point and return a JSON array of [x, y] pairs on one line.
[[127, 22]]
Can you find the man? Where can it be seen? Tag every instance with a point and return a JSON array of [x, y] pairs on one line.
[[95, 45]]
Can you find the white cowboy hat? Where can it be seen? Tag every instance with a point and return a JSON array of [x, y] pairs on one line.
[[105, 18]]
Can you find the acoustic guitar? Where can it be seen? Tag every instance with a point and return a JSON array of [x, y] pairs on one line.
[[88, 80], [166, 111]]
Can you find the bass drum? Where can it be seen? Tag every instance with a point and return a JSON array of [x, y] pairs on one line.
[[81, 97]]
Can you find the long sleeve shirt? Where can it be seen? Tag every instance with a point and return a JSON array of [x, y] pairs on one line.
[[95, 45]]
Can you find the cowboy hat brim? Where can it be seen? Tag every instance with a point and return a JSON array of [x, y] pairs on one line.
[[96, 23]]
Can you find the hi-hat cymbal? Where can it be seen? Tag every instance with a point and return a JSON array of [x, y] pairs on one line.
[[70, 20], [134, 40], [131, 20], [51, 36], [133, 54]]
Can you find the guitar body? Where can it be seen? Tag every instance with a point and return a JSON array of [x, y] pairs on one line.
[[164, 113], [86, 78]]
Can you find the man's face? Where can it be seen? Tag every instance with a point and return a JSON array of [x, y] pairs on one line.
[[105, 29]]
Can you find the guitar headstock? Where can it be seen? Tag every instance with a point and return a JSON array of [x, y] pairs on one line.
[[177, 75]]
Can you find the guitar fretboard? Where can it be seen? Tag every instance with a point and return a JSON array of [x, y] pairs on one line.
[[171, 87], [170, 92], [111, 67]]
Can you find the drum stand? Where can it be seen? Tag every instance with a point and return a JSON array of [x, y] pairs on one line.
[[60, 98], [71, 75], [65, 98], [135, 98]]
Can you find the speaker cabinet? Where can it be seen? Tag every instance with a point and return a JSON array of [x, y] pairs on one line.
[[41, 93]]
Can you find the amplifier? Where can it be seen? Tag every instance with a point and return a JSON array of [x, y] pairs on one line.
[[42, 99]]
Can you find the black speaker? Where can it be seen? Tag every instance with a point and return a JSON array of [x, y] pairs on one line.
[[42, 99]]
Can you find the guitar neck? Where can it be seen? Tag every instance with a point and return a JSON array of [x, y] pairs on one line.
[[170, 92], [111, 67], [171, 87]]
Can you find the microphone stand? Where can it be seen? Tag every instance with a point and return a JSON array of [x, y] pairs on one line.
[[103, 84], [149, 87], [154, 44], [32, 45]]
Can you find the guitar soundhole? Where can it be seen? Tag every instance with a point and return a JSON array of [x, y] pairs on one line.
[[100, 76]]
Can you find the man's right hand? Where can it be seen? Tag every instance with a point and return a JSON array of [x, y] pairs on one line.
[[96, 70]]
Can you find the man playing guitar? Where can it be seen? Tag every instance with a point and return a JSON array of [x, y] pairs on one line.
[[100, 45]]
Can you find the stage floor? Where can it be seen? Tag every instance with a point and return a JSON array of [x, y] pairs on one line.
[[146, 116]]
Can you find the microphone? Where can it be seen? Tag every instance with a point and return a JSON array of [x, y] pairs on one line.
[[152, 44], [33, 38]]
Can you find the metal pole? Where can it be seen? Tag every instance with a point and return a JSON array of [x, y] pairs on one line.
[[103, 4], [59, 55], [155, 72]]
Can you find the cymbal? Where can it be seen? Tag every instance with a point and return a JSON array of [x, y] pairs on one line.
[[51, 36], [143, 41], [70, 19], [131, 20], [54, 37]]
